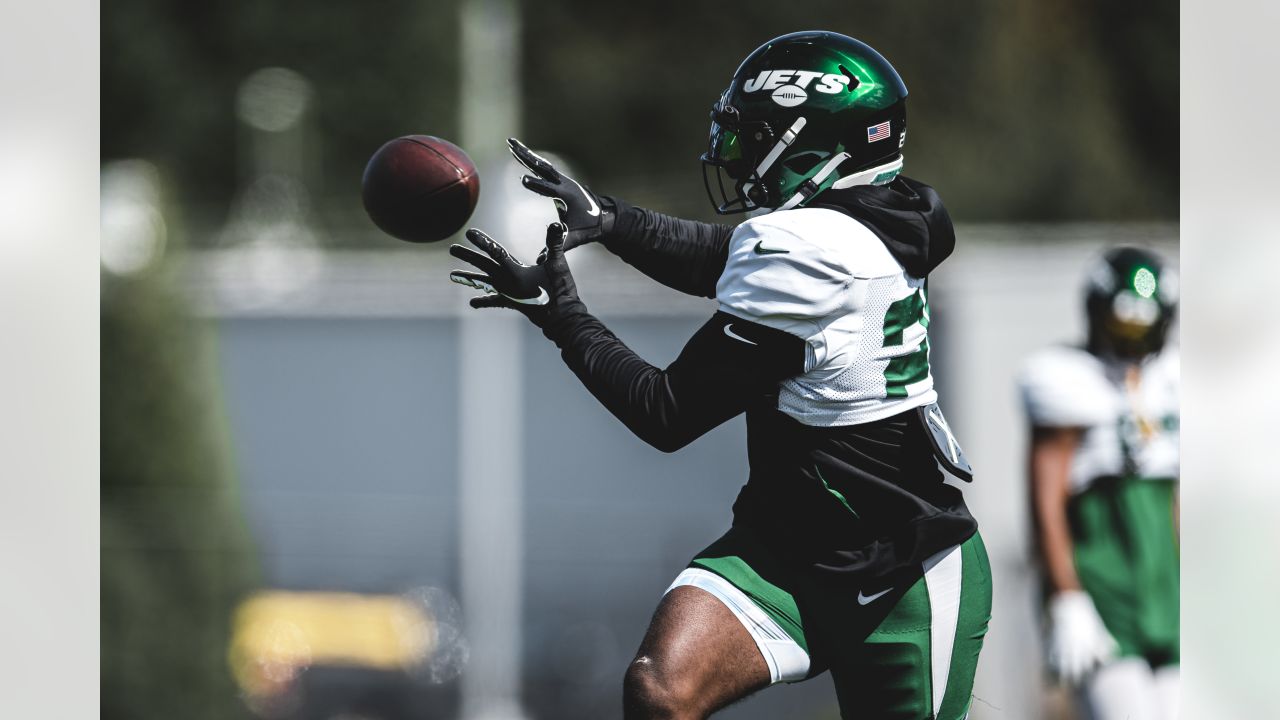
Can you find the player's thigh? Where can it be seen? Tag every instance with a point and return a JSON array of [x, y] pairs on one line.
[[920, 659], [696, 657]]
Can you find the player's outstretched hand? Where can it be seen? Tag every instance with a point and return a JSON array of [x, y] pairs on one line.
[[1078, 641], [539, 291], [582, 211]]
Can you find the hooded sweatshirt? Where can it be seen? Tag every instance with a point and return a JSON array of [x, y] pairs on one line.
[[821, 340], [906, 215]]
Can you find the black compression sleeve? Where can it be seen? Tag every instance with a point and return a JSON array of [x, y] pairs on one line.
[[684, 255], [725, 365]]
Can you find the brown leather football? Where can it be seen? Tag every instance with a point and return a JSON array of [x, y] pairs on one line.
[[420, 188]]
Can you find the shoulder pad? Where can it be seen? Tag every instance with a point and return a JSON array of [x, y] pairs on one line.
[[797, 263], [1066, 387]]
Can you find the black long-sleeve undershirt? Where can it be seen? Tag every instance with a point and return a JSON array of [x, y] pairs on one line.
[[727, 364], [684, 255], [714, 378]]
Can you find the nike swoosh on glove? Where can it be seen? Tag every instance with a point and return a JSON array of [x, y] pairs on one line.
[[1078, 640], [543, 292], [587, 215]]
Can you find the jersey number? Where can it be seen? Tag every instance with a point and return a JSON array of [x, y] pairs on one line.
[[914, 366]]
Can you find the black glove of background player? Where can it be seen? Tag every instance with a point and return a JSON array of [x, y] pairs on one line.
[[543, 292], [587, 216]]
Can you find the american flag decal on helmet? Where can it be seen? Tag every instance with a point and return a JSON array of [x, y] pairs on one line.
[[878, 132]]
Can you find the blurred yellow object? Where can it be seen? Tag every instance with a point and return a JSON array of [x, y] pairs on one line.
[[277, 634]]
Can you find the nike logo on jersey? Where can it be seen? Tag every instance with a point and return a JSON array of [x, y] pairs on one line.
[[868, 599], [728, 330], [760, 249]]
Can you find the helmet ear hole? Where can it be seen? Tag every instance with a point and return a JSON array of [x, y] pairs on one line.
[[802, 163], [853, 79]]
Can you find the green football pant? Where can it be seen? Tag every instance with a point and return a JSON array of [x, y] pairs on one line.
[[1126, 555], [905, 649]]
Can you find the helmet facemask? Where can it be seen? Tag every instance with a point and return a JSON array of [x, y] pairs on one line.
[[1134, 326], [763, 174], [734, 154]]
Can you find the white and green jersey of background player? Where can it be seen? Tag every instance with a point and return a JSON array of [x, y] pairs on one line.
[[1124, 473]]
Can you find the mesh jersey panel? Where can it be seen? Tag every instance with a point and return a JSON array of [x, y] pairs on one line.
[[859, 380]]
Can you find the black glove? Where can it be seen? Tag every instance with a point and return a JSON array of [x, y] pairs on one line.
[[543, 292], [587, 216]]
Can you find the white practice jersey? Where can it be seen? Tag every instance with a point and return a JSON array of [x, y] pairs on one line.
[[1131, 427], [826, 278]]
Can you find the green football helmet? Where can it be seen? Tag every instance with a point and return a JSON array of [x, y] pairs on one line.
[[804, 112]]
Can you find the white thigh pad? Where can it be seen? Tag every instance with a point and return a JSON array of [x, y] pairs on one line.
[[787, 661]]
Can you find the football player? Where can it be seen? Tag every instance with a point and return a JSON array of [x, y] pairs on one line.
[[849, 551], [1104, 476]]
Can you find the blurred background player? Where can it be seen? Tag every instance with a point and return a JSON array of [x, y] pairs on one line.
[[1104, 476], [848, 550]]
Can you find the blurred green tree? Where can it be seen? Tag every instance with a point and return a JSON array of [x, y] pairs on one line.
[[176, 555], [1018, 111], [170, 73]]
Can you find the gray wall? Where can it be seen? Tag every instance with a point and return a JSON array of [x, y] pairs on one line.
[[347, 454]]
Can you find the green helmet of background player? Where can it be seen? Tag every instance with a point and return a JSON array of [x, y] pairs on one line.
[[803, 113], [1131, 297]]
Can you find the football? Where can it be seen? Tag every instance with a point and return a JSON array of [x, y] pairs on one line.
[[420, 188]]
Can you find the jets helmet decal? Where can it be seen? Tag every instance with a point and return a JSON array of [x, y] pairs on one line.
[[804, 112]]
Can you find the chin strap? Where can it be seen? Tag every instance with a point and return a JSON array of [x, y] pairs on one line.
[[814, 184], [787, 138], [878, 175], [774, 153]]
